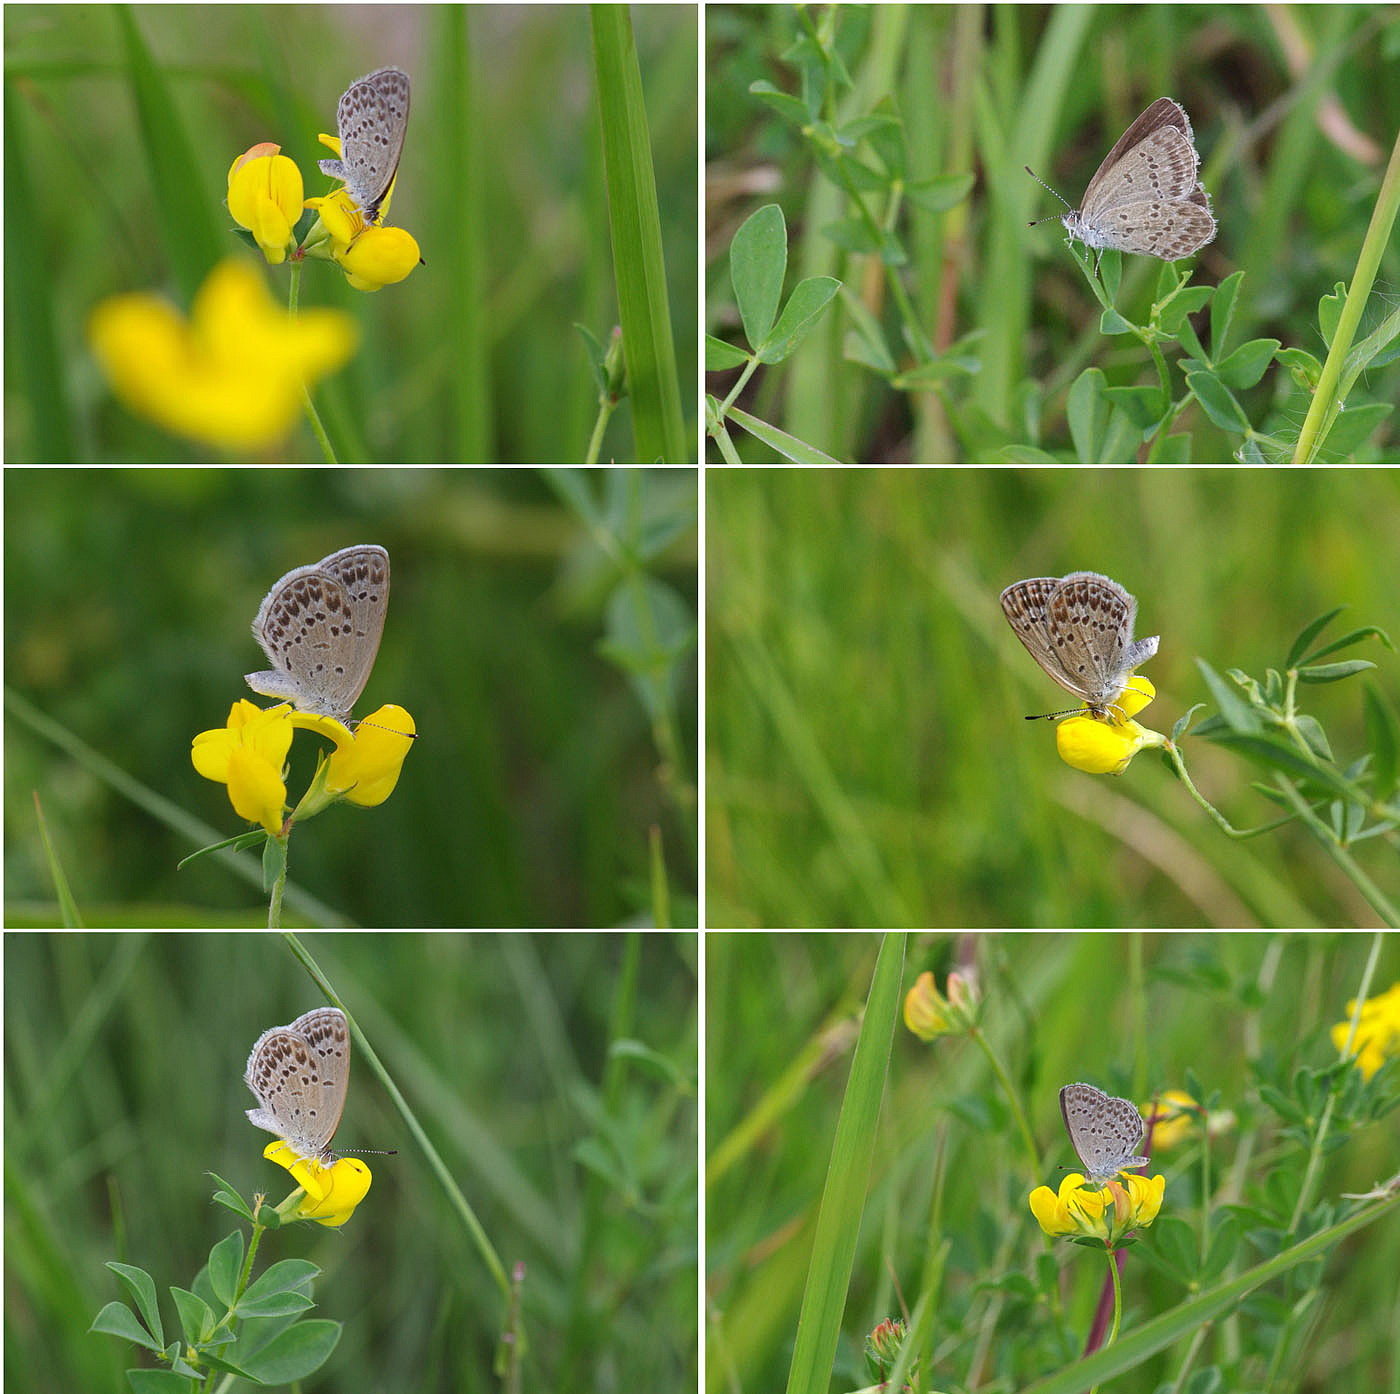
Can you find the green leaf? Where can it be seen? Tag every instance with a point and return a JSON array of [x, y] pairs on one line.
[[593, 348], [806, 303], [1174, 1247], [1354, 636], [1188, 302], [884, 131], [1247, 364], [940, 193], [649, 629], [1329, 312], [274, 860], [158, 1382], [1305, 368], [757, 265], [1217, 402], [295, 1353], [117, 1319], [1352, 428], [267, 1294], [788, 446], [786, 105], [941, 369], [1184, 720], [1222, 311], [1314, 737], [196, 1315], [719, 356], [1334, 672], [1087, 413], [1274, 753], [1383, 738], [225, 1261], [142, 1287], [853, 235], [1237, 715], [1171, 450], [1143, 406], [865, 343], [1310, 632]]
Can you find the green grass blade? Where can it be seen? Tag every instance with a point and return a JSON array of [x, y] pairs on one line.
[[843, 1197], [638, 264]]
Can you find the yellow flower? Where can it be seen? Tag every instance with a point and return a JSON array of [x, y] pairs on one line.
[[265, 195], [371, 255], [1106, 746], [1127, 1203], [928, 1014], [1377, 1032], [331, 1192], [233, 374], [367, 769], [250, 752], [248, 756], [1176, 1118]]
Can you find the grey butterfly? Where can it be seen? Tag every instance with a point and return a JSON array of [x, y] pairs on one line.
[[1105, 1131], [320, 626], [1079, 628], [372, 119], [1145, 197], [299, 1074]]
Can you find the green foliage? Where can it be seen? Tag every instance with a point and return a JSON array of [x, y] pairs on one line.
[[503, 184], [868, 764], [1341, 806], [258, 1334], [758, 262], [1268, 1263], [894, 139], [540, 1093], [540, 632]]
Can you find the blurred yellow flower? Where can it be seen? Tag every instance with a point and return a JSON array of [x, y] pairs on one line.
[[233, 374], [928, 1014], [1377, 1033], [1176, 1118]]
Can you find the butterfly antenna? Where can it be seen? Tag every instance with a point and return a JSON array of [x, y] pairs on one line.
[[1045, 186]]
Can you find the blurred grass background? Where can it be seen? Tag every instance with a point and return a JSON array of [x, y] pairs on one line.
[[528, 798], [1295, 112], [124, 1057], [949, 1167], [474, 358], [867, 760]]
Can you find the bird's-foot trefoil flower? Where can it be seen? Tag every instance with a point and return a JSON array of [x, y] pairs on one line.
[[1109, 1213], [1105, 745], [232, 375], [329, 1192], [928, 1014], [248, 755], [1377, 1032]]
